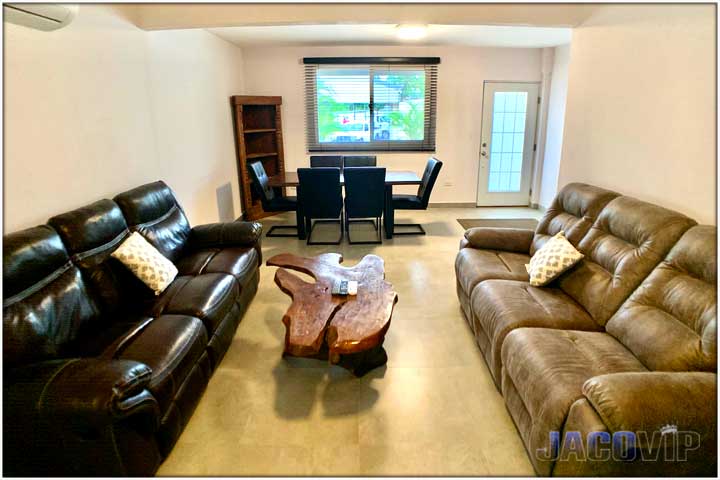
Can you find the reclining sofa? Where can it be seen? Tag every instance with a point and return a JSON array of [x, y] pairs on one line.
[[100, 375], [625, 341]]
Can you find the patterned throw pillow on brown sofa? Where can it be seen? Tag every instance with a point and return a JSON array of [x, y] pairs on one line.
[[552, 260]]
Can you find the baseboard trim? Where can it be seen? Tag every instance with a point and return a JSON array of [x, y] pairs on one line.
[[535, 206], [452, 205]]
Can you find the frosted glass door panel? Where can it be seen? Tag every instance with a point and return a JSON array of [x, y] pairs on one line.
[[507, 141], [508, 135]]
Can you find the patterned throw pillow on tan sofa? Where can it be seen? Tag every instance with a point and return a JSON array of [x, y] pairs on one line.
[[146, 262], [552, 260]]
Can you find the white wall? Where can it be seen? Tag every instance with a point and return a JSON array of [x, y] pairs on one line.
[[77, 126], [555, 125], [192, 76], [102, 106], [640, 115], [279, 71]]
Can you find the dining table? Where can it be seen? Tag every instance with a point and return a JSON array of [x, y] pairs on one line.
[[392, 178]]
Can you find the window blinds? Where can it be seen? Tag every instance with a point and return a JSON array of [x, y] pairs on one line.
[[370, 104]]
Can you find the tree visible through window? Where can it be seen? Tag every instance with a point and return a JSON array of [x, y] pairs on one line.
[[371, 108]]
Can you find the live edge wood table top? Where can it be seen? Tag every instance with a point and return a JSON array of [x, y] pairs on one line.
[[392, 177], [346, 330]]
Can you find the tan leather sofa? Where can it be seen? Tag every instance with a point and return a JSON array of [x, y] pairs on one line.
[[623, 342]]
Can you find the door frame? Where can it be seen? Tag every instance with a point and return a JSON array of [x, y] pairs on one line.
[[531, 166]]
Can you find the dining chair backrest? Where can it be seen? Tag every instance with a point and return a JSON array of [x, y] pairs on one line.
[[364, 191], [432, 170], [359, 161], [260, 184], [319, 192], [326, 161]]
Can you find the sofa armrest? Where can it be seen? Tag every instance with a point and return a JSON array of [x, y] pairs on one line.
[[92, 391], [228, 234], [78, 416], [672, 414], [492, 238], [650, 400]]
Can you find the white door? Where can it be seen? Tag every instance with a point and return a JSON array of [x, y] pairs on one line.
[[507, 144]]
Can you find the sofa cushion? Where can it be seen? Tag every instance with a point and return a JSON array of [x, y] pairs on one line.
[[237, 261], [153, 211], [472, 266], [670, 321], [208, 297], [91, 234], [501, 306], [104, 339], [171, 345], [543, 375], [625, 243], [573, 210], [45, 300]]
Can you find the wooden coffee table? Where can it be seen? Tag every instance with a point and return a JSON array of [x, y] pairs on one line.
[[348, 331]]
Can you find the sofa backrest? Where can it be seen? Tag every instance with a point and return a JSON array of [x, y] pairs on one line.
[[573, 210], [153, 210], [91, 234], [670, 321], [628, 239], [45, 301]]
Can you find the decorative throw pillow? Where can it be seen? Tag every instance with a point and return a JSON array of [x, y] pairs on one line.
[[552, 260], [146, 262]]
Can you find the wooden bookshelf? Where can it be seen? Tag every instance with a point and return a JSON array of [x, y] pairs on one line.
[[258, 138]]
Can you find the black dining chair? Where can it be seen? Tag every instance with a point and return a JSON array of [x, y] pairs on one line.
[[272, 200], [359, 161], [419, 201], [326, 161], [364, 198], [320, 198]]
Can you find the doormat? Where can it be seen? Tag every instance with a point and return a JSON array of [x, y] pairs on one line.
[[528, 223]]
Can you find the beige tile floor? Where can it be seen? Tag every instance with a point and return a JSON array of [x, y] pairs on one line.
[[433, 410]]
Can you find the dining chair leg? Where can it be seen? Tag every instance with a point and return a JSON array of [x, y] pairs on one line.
[[340, 223], [301, 227], [283, 227], [389, 212], [375, 225], [419, 229]]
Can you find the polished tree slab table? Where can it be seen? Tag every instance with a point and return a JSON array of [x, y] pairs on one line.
[[346, 330], [392, 177]]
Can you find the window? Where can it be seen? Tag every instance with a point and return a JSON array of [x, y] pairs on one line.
[[366, 105]]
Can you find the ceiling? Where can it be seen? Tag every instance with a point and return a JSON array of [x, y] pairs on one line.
[[165, 16], [385, 34]]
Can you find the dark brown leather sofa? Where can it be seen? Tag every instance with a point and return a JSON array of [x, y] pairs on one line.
[[101, 376], [623, 342]]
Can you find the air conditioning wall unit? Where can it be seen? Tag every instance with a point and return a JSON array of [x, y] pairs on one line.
[[40, 16]]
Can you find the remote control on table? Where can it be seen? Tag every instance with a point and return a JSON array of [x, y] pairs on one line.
[[345, 287]]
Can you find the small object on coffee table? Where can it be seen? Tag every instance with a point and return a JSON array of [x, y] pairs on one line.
[[344, 287], [346, 330]]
